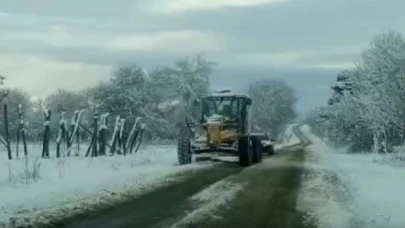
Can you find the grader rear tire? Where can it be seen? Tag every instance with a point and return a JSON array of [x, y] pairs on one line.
[[257, 150], [244, 151], [184, 149], [271, 150]]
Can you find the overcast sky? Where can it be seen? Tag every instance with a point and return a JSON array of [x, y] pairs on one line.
[[50, 44]]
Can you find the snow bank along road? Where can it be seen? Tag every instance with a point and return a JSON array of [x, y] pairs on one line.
[[263, 195], [342, 190]]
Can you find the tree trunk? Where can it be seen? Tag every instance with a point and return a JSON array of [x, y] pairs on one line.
[[7, 132], [45, 146], [376, 142], [94, 150]]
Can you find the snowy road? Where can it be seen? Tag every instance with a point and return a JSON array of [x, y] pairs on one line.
[[269, 196], [157, 208], [195, 199]]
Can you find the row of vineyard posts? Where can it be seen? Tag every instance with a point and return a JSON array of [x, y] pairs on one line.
[[69, 136]]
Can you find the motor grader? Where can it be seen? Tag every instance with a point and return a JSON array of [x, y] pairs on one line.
[[223, 127]]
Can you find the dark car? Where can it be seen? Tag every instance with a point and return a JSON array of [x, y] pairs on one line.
[[267, 144]]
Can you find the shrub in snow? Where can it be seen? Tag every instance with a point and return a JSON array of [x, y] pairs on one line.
[[61, 166], [32, 172], [26, 174]]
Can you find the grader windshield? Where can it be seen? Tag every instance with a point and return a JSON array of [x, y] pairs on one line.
[[224, 108]]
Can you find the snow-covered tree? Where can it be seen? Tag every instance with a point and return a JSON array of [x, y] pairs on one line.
[[367, 109], [192, 78], [273, 104], [161, 95], [66, 100]]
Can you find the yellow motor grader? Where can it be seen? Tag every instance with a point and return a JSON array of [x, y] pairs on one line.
[[223, 127]]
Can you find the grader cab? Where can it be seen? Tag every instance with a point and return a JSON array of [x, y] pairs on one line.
[[223, 127]]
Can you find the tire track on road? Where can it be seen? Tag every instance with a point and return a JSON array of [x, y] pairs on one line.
[[161, 205]]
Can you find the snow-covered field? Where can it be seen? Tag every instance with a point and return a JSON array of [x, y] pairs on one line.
[[346, 190], [64, 187]]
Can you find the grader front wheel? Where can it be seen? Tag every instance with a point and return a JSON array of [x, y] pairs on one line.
[[184, 149]]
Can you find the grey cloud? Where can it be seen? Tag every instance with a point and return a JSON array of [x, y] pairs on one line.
[[295, 26], [299, 25], [329, 58], [333, 31], [100, 9], [93, 56]]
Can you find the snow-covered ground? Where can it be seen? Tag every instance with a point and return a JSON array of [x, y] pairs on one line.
[[346, 190], [210, 200], [64, 187], [289, 138]]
